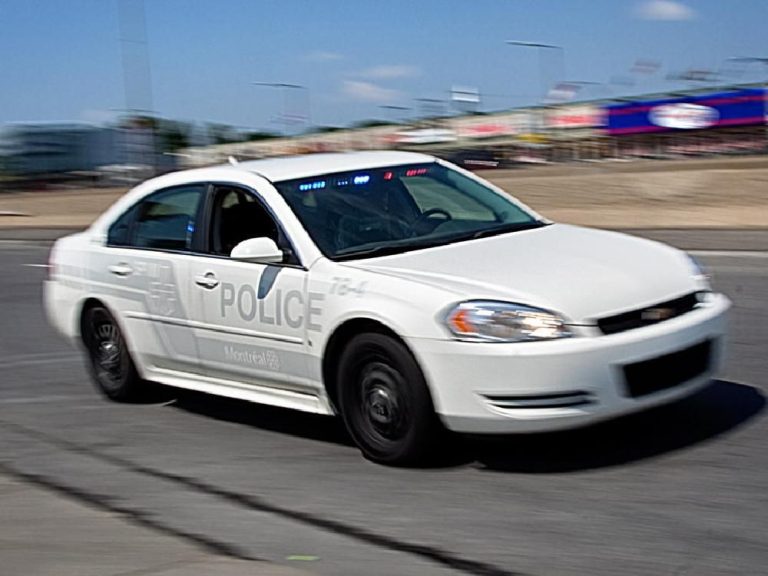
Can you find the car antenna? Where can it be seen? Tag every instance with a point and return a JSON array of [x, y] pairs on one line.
[[233, 161]]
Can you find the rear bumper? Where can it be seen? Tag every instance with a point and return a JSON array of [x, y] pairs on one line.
[[546, 386], [59, 303]]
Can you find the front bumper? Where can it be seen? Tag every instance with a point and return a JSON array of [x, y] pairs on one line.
[[559, 384]]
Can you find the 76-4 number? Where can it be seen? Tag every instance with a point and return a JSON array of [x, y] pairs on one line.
[[345, 286]]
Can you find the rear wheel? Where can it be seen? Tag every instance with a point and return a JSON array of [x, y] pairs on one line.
[[385, 402], [110, 363]]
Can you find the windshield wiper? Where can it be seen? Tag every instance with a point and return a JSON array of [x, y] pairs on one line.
[[436, 241], [388, 249], [506, 228]]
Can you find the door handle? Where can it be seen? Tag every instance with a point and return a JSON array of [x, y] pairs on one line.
[[207, 281], [121, 269]]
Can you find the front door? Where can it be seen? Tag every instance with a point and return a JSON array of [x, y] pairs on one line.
[[251, 320]]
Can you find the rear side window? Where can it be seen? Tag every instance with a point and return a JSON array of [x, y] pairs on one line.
[[164, 220], [120, 232]]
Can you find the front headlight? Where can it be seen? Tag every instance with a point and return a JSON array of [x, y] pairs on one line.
[[489, 321]]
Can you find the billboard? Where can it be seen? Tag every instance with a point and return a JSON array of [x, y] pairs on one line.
[[576, 116], [733, 108], [491, 125]]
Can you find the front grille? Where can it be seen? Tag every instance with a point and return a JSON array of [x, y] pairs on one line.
[[667, 371], [649, 315], [557, 400]]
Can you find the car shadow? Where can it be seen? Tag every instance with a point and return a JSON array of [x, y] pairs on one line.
[[273, 419], [715, 410]]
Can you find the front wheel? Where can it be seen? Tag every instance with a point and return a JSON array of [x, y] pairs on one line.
[[385, 402], [110, 363]]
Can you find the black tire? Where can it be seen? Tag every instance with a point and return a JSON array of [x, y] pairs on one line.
[[109, 361], [385, 402]]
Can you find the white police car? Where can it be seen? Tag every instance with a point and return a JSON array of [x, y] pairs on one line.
[[392, 288]]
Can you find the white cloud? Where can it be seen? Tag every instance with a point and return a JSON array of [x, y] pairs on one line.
[[324, 56], [368, 91], [664, 10], [391, 71]]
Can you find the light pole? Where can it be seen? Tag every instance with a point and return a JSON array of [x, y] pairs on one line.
[[285, 87], [137, 81], [138, 142], [749, 60], [540, 47], [567, 90], [432, 109], [395, 110]]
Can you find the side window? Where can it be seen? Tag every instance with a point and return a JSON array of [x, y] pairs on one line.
[[165, 220], [238, 215], [119, 232]]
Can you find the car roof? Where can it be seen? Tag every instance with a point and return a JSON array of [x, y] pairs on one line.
[[307, 165]]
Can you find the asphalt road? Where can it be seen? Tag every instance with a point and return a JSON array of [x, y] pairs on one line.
[[679, 490]]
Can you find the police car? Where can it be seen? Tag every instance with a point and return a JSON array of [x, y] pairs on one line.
[[395, 289]]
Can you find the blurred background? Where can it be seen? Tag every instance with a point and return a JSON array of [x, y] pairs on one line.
[[647, 116], [109, 92]]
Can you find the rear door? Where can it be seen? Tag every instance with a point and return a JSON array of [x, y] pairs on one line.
[[142, 273]]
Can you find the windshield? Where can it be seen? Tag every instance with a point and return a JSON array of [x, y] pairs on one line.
[[398, 208]]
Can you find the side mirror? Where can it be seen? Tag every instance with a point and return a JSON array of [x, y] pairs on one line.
[[261, 250]]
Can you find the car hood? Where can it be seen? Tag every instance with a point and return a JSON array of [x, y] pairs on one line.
[[581, 273]]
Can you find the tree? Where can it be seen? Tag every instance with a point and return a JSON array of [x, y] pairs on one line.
[[323, 129], [370, 123], [172, 135], [223, 134], [256, 136], [139, 121]]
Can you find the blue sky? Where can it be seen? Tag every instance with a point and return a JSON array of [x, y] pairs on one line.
[[63, 60]]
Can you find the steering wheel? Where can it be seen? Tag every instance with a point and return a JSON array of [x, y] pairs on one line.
[[431, 212]]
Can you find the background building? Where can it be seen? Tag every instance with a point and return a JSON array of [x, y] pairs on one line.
[[28, 149], [724, 120]]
